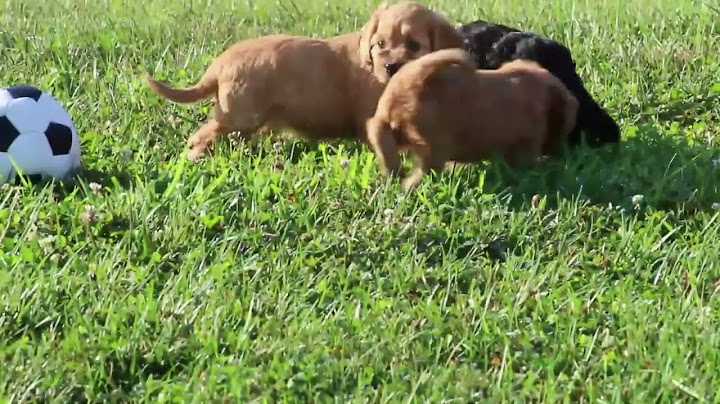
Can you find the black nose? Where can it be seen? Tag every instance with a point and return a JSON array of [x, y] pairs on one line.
[[392, 68]]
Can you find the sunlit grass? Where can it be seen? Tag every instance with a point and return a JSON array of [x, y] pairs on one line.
[[289, 271]]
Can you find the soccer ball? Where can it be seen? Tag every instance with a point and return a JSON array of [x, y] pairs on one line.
[[37, 136]]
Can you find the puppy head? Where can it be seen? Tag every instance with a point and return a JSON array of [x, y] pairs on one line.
[[397, 34]]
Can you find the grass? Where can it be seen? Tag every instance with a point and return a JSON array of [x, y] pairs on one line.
[[287, 271]]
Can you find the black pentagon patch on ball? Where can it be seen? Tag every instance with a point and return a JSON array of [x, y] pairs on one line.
[[59, 137], [8, 134], [24, 91]]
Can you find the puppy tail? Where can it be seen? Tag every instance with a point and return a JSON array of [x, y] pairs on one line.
[[206, 87], [427, 65]]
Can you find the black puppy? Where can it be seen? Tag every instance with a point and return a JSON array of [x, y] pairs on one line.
[[491, 45]]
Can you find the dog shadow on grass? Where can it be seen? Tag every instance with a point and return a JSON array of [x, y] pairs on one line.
[[664, 172], [657, 172], [291, 146], [105, 178], [661, 172]]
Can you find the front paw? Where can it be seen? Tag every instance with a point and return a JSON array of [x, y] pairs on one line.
[[193, 141], [196, 153], [411, 182]]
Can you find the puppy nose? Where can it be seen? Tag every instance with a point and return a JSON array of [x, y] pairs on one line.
[[392, 68]]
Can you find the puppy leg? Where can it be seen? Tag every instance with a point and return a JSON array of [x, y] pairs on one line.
[[383, 143], [426, 160], [201, 139], [413, 180], [235, 112], [523, 151]]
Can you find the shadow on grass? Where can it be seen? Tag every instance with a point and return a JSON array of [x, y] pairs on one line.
[[107, 179], [685, 111], [290, 147], [83, 178], [668, 172]]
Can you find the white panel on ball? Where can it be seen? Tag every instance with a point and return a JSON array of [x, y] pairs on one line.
[[26, 116], [54, 111], [60, 166], [75, 148], [5, 99], [31, 153]]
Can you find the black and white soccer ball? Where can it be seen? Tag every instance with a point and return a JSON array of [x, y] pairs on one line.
[[37, 136]]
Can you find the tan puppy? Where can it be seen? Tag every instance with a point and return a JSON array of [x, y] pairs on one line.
[[444, 110], [396, 35], [322, 88]]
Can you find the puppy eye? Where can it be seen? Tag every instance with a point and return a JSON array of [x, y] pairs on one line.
[[380, 44], [412, 45]]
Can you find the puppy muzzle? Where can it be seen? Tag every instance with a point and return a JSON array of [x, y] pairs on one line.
[[392, 68]]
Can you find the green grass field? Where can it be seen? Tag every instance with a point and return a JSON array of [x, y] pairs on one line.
[[288, 271]]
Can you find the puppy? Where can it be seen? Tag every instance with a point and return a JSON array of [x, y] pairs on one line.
[[321, 88], [491, 45], [390, 40], [444, 110]]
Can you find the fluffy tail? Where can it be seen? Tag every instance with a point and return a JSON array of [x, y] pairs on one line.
[[206, 87], [427, 65]]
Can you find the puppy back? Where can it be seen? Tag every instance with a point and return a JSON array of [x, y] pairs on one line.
[[427, 65], [559, 104], [562, 114]]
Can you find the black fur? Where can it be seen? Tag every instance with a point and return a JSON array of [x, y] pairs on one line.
[[492, 44]]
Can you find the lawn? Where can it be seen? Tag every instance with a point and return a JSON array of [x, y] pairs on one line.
[[281, 270]]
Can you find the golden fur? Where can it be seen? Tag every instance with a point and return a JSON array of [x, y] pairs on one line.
[[444, 110], [321, 88], [395, 36]]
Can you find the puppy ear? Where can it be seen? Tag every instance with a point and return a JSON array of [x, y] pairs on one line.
[[366, 34], [443, 35]]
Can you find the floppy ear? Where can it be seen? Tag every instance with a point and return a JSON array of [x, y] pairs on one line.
[[366, 34], [443, 35]]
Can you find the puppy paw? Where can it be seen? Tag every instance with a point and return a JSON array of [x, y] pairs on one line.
[[195, 154], [193, 141], [197, 148], [410, 183]]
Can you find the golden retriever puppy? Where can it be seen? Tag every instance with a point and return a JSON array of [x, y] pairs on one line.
[[321, 88], [444, 110], [393, 37]]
